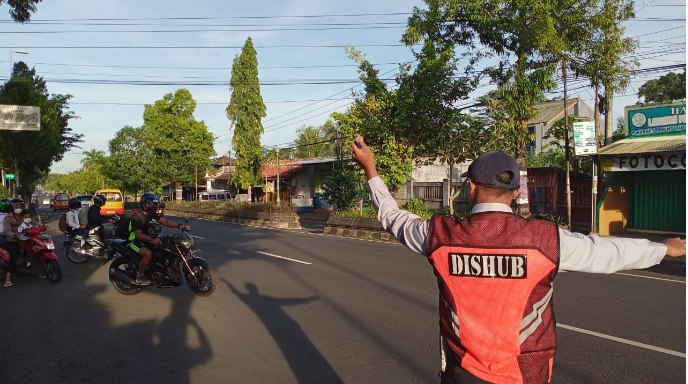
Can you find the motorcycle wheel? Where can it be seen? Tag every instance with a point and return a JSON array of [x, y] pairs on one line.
[[121, 287], [53, 272], [73, 254], [203, 283]]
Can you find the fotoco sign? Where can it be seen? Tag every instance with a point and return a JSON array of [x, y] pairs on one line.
[[644, 162], [20, 118]]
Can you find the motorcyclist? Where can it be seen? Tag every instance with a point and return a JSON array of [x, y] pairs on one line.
[[134, 226], [73, 217], [11, 225], [94, 226]]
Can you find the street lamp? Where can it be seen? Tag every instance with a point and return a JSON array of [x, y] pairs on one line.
[[278, 176], [20, 52]]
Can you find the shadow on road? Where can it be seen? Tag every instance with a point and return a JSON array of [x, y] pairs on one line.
[[304, 359]]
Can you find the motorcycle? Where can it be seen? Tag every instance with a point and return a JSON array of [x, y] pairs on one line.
[[94, 247], [37, 258], [164, 269]]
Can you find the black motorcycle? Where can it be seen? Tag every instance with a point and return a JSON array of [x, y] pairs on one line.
[[172, 258]]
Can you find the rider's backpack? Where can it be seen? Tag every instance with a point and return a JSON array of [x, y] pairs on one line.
[[62, 225]]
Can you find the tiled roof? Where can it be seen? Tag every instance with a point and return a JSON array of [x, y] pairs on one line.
[[286, 170], [224, 160], [551, 110], [650, 144]]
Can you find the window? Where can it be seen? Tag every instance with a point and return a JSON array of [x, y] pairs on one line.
[[204, 197]]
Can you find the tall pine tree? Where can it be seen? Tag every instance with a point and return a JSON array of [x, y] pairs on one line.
[[245, 110]]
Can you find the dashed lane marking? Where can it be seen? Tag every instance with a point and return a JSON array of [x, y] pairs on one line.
[[282, 257]]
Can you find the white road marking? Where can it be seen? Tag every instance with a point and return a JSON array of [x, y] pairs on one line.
[[198, 237], [624, 341], [282, 257], [650, 277]]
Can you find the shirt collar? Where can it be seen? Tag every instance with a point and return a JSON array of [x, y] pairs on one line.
[[490, 207]]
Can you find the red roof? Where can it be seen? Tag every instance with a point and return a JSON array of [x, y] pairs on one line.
[[286, 170]]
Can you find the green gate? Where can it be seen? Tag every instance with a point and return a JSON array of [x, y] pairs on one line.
[[659, 201]]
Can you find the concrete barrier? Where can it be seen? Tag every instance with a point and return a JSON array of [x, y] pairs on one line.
[[357, 227], [252, 218]]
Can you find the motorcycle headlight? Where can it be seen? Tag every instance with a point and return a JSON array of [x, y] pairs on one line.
[[184, 240]]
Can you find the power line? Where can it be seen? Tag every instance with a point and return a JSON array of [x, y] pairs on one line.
[[198, 103], [23, 32], [202, 68], [213, 47], [226, 17]]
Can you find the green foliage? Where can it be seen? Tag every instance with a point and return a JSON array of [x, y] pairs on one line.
[[414, 204], [83, 181], [92, 157], [3, 192], [367, 213], [343, 189], [245, 111], [283, 207], [21, 10], [178, 142], [422, 212], [129, 162], [310, 141], [30, 153], [671, 86]]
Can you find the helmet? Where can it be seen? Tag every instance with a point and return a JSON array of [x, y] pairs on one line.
[[99, 200], [15, 201], [149, 198], [74, 203]]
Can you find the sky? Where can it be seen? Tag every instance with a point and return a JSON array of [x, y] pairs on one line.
[[304, 82]]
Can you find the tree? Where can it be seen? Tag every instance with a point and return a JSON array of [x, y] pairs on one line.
[[180, 145], [34, 151], [130, 161], [603, 59], [671, 86], [92, 157], [518, 34], [342, 189], [580, 164], [315, 141], [245, 111], [21, 10]]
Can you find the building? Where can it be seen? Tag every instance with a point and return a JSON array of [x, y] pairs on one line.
[[218, 179], [645, 173], [548, 113], [300, 182]]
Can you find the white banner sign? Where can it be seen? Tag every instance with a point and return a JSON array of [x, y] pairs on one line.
[[20, 118], [647, 162], [584, 140]]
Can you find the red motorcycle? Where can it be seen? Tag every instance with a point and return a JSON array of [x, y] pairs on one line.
[[37, 258]]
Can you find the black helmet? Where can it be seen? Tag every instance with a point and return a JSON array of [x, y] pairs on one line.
[[99, 200], [15, 201], [74, 203], [149, 198]]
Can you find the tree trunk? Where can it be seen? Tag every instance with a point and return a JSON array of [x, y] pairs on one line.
[[608, 120], [567, 154]]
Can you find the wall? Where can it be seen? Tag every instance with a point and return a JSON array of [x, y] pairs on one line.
[[579, 109], [437, 172]]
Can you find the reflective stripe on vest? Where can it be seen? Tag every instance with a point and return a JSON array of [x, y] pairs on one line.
[[495, 274]]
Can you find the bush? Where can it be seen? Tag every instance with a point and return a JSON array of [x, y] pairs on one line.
[[233, 206], [342, 189], [415, 206]]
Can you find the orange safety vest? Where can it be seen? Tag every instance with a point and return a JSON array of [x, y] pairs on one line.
[[495, 273]]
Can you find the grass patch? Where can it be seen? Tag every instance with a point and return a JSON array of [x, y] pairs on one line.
[[414, 206]]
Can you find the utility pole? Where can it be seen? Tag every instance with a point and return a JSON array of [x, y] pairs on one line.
[[196, 176], [278, 177], [566, 145]]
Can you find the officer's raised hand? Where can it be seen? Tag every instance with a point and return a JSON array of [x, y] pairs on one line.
[[364, 156]]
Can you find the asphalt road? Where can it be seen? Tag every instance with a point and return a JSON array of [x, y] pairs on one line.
[[357, 312]]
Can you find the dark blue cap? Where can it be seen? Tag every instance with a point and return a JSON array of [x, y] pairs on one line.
[[485, 169]]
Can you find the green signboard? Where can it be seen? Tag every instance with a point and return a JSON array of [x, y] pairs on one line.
[[9, 176], [656, 119]]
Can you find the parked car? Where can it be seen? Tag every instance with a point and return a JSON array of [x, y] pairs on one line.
[[114, 202], [86, 200], [213, 196], [61, 202]]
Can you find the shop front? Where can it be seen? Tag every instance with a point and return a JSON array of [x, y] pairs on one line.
[[645, 178]]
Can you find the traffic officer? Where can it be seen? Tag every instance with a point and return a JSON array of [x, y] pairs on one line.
[[495, 272]]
